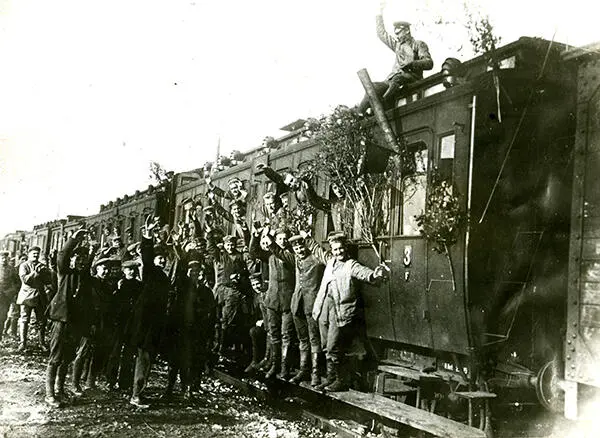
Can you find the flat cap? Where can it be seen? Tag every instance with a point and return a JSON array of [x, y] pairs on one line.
[[336, 235], [401, 24], [4, 252], [233, 180], [296, 238], [130, 264], [208, 208], [256, 276], [103, 261], [35, 248]]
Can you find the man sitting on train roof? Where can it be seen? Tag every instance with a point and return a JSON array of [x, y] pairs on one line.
[[412, 58]]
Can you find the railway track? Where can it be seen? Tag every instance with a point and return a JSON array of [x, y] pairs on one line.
[[348, 414]]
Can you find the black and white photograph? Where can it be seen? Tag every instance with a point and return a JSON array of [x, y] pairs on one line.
[[299, 219]]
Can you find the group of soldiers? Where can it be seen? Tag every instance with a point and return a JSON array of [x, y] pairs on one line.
[[214, 286]]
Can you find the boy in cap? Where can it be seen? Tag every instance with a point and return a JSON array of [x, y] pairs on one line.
[[235, 216], [9, 286], [258, 334], [336, 305], [412, 58], [231, 290]]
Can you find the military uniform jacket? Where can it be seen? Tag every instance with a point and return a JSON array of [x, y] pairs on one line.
[[226, 265], [309, 273], [339, 284], [409, 51], [73, 301], [32, 283], [282, 278], [9, 282]]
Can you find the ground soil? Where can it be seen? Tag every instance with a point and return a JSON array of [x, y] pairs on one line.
[[217, 411]]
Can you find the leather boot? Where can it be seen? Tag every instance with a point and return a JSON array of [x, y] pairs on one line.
[[304, 372], [23, 326], [265, 363], [60, 382], [276, 361], [285, 363], [42, 336], [341, 381], [315, 379], [253, 366], [12, 327], [331, 376], [50, 398], [77, 370]]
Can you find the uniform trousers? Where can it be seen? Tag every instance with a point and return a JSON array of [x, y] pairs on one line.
[[281, 326], [308, 333]]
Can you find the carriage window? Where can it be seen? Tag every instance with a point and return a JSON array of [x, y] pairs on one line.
[[446, 162], [414, 189]]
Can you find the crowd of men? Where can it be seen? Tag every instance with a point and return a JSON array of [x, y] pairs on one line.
[[214, 287], [267, 296]]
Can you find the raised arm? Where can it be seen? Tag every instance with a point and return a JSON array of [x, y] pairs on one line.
[[64, 256], [382, 34], [315, 200], [317, 250]]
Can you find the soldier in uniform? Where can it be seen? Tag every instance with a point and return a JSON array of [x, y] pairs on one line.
[[32, 296], [258, 334], [120, 363], [9, 286], [309, 272], [70, 312], [339, 296], [278, 298], [411, 59]]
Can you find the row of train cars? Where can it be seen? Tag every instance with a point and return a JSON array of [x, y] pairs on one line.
[[521, 145]]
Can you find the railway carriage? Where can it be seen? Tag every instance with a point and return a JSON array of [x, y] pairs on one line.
[[512, 310]]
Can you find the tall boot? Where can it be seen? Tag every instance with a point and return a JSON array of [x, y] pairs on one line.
[[171, 379], [304, 372], [60, 381], [77, 370], [23, 326], [254, 362], [42, 335], [341, 381], [50, 378], [285, 363], [315, 379], [265, 363], [276, 361], [331, 375]]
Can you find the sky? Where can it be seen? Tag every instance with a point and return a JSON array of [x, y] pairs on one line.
[[92, 91]]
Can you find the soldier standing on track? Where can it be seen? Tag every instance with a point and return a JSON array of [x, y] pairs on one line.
[[258, 333], [336, 305], [309, 272], [278, 298]]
